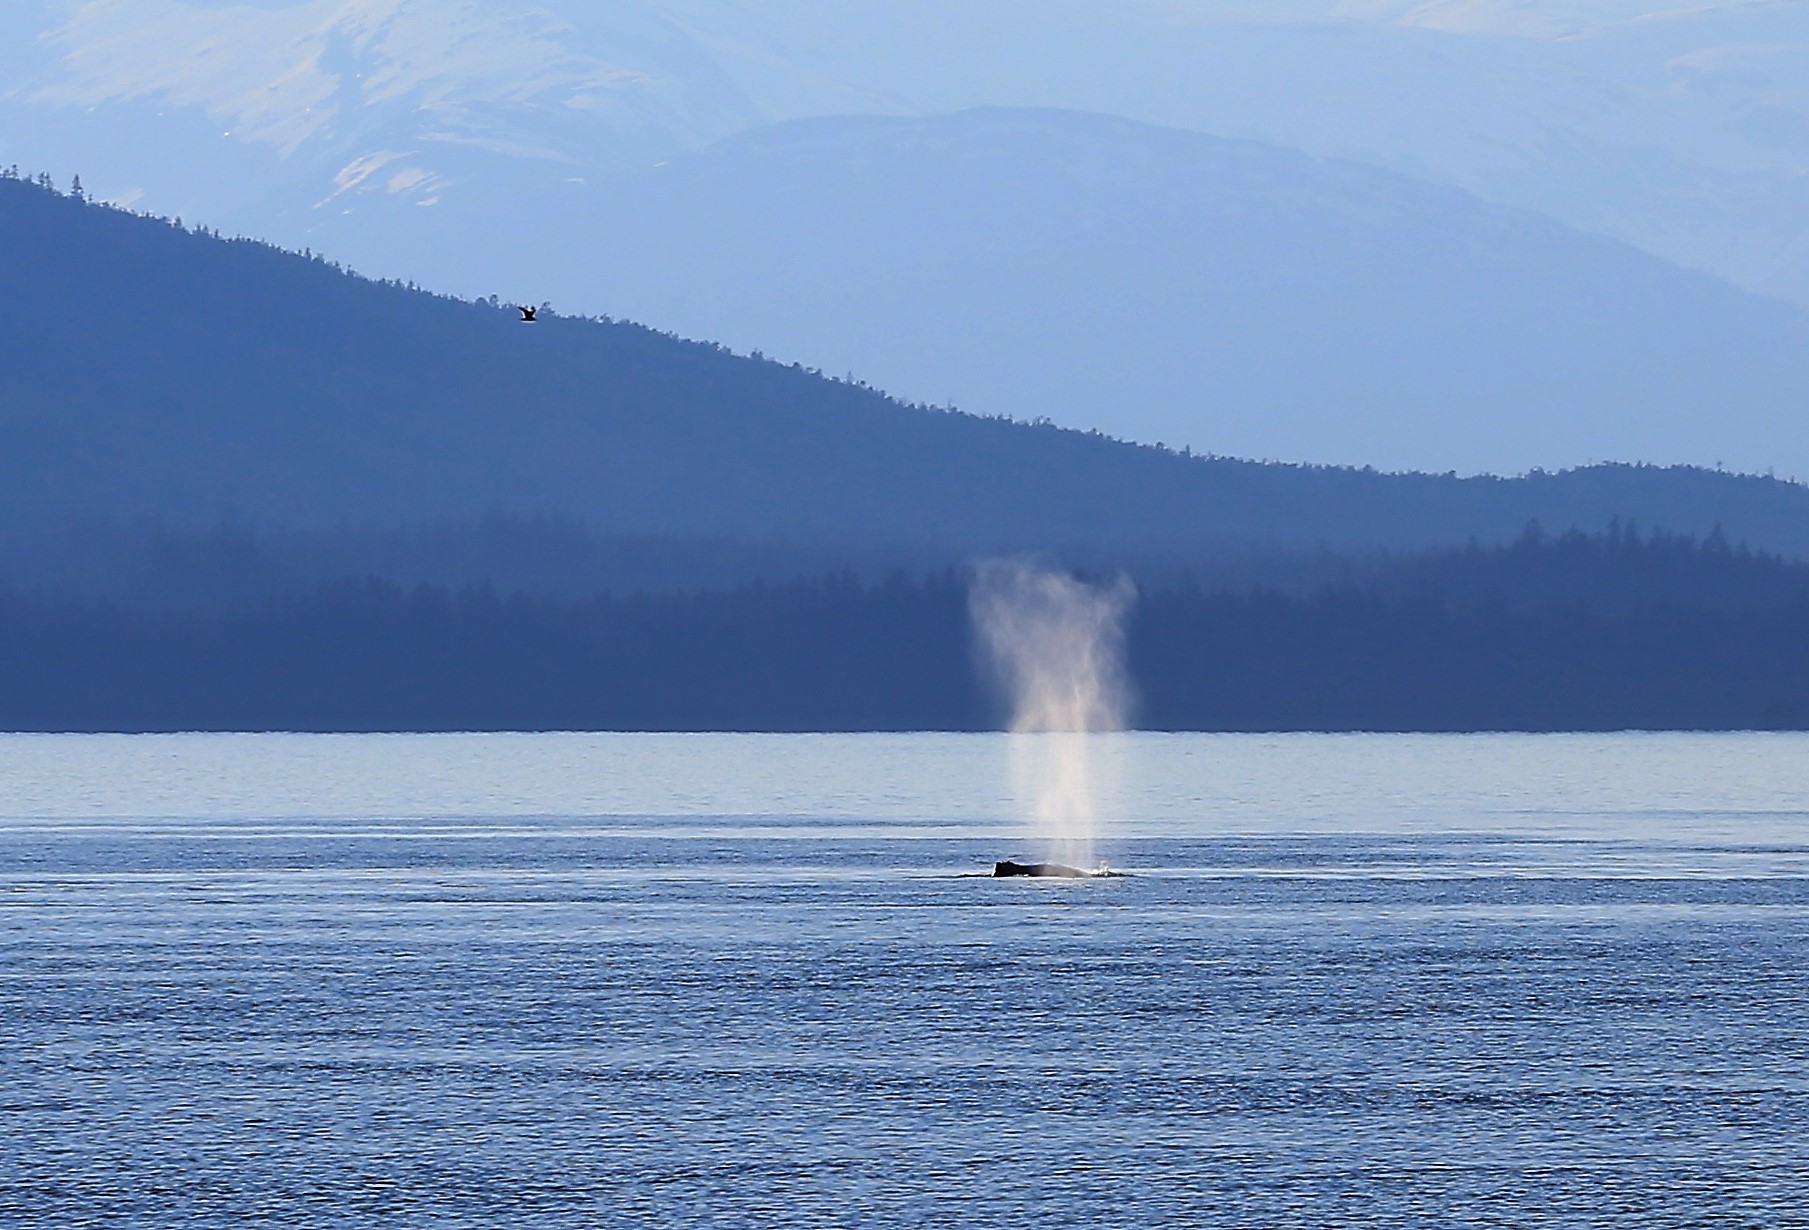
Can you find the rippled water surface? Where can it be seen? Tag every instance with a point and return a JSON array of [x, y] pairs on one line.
[[527, 981]]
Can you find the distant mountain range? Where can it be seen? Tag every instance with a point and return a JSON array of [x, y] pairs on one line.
[[150, 374], [1235, 297], [514, 146], [1680, 128]]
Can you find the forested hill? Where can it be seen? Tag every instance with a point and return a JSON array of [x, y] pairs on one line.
[[153, 372]]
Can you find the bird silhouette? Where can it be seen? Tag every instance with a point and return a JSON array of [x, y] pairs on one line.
[[527, 314]]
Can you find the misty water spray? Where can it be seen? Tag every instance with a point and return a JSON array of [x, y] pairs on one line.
[[1054, 646]]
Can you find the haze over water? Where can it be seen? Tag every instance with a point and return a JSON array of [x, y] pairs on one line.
[[673, 980]]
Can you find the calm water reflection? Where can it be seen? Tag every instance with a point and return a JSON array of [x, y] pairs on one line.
[[733, 980]]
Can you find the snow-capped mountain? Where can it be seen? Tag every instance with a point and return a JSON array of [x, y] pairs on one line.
[[1681, 129], [281, 118], [516, 147]]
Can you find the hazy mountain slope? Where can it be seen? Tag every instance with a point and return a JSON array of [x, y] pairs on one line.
[[1680, 128], [145, 371], [1234, 297], [340, 122]]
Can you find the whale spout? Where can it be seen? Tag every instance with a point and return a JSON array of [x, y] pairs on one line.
[[1055, 870]]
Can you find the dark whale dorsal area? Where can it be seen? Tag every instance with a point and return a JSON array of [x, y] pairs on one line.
[[1045, 871]]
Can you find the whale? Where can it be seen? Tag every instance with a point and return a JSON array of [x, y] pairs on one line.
[[1047, 870]]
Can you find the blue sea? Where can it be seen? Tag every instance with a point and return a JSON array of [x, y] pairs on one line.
[[731, 980]]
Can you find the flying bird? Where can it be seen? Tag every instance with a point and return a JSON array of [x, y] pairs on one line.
[[527, 314]]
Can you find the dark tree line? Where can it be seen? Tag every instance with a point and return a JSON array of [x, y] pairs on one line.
[[1569, 633], [372, 656], [1350, 660]]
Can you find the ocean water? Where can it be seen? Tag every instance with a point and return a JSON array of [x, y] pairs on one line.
[[539, 981]]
